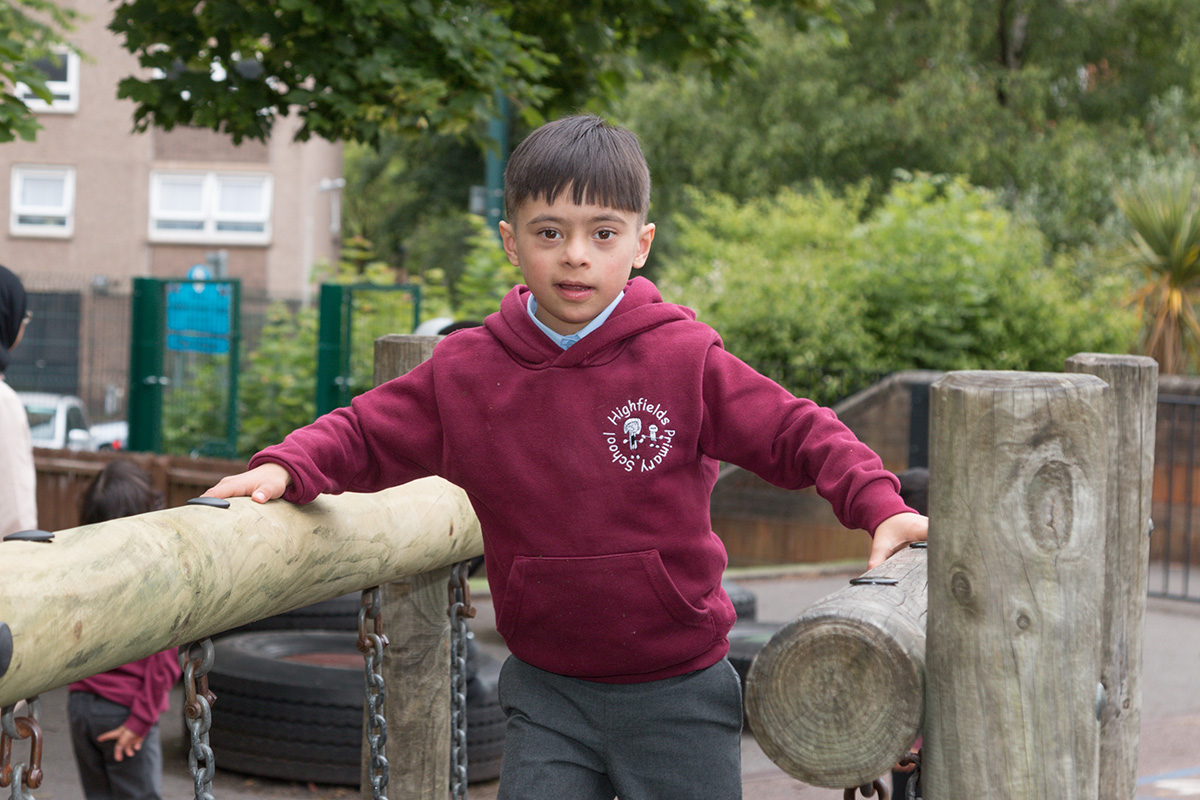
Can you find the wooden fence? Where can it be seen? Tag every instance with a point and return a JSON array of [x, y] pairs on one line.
[[62, 476]]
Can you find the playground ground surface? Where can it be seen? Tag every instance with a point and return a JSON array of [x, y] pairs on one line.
[[1169, 762]]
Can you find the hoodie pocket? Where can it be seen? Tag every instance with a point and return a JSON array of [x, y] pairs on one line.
[[601, 616]]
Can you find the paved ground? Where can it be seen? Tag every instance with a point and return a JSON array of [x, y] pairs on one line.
[[1170, 743]]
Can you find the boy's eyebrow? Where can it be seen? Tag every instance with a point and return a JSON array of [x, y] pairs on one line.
[[541, 218]]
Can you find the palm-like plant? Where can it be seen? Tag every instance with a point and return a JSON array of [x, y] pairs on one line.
[[1165, 243]]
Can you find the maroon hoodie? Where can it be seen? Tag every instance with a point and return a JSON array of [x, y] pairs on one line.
[[590, 470]]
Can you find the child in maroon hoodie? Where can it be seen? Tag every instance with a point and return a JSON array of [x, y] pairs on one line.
[[586, 420], [114, 715]]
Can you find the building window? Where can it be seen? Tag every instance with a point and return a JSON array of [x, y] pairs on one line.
[[62, 79], [42, 201], [206, 207]]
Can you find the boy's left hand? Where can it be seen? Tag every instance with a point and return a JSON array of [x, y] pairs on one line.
[[894, 534], [128, 742]]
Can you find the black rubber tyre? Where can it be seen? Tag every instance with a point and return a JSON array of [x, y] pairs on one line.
[[745, 640], [745, 602], [337, 614], [290, 705]]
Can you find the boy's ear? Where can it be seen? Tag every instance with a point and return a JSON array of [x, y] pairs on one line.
[[508, 237], [645, 239]]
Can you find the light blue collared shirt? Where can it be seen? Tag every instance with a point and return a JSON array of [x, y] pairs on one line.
[[566, 341]]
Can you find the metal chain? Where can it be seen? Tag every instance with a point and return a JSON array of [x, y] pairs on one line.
[[14, 728], [460, 611], [914, 777], [370, 644], [197, 712], [868, 790], [19, 780]]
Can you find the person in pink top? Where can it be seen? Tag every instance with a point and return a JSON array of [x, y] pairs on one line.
[[586, 420], [114, 715]]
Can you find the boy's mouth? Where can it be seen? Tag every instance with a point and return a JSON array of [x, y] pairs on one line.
[[574, 290]]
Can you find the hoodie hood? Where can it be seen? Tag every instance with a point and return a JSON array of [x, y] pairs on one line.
[[640, 310]]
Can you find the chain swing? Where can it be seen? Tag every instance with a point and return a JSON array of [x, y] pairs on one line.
[[371, 642], [460, 611], [13, 728], [197, 713]]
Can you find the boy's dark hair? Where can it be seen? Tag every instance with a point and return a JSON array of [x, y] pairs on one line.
[[603, 165], [122, 489], [914, 489]]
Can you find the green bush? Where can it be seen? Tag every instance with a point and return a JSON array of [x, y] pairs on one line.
[[939, 275]]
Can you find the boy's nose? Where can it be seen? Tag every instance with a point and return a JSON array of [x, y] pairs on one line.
[[576, 253]]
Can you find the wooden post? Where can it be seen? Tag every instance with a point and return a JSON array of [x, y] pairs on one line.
[[1134, 383], [835, 698], [1017, 512], [416, 663]]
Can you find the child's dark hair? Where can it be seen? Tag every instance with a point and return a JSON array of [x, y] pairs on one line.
[[601, 163], [122, 489], [914, 489]]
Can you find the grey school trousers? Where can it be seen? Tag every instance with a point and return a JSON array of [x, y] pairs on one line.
[[103, 777], [570, 739]]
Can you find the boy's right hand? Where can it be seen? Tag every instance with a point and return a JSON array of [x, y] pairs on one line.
[[264, 482]]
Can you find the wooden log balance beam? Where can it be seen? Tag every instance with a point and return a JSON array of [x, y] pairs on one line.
[[1024, 684], [837, 695], [99, 596]]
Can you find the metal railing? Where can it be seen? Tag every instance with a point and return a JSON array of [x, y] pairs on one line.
[[1173, 545]]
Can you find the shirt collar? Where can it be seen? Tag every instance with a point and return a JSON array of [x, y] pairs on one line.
[[566, 340]]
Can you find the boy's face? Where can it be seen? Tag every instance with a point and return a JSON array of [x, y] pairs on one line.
[[575, 259]]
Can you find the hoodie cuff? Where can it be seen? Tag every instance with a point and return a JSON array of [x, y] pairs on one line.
[[882, 501]]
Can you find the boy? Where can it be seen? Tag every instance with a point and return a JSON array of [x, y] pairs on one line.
[[586, 420]]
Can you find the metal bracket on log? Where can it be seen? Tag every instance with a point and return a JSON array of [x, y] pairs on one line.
[[29, 536], [6, 648]]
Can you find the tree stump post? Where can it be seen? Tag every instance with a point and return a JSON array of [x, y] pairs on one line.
[[416, 662], [1017, 509], [1134, 385]]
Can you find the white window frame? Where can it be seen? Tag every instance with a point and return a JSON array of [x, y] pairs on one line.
[[209, 224], [66, 92], [22, 216]]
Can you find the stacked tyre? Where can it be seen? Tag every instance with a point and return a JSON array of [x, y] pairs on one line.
[[290, 706], [290, 694]]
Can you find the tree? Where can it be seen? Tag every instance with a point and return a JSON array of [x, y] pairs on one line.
[[824, 296], [1041, 102], [1164, 216], [30, 31], [355, 70]]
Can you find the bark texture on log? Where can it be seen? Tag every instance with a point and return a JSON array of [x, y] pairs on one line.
[[836, 697], [99, 596]]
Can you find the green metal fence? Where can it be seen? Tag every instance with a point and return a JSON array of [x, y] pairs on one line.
[[351, 318], [184, 361]]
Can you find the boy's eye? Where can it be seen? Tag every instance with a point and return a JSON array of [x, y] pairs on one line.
[[549, 233], [605, 235]]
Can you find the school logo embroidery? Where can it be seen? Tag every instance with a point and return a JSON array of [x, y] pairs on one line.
[[640, 436]]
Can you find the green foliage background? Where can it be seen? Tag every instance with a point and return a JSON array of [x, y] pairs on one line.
[[824, 295], [895, 184]]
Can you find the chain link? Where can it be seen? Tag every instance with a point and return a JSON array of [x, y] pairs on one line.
[[914, 777], [19, 780], [14, 728], [197, 712], [460, 611], [371, 643], [868, 790]]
